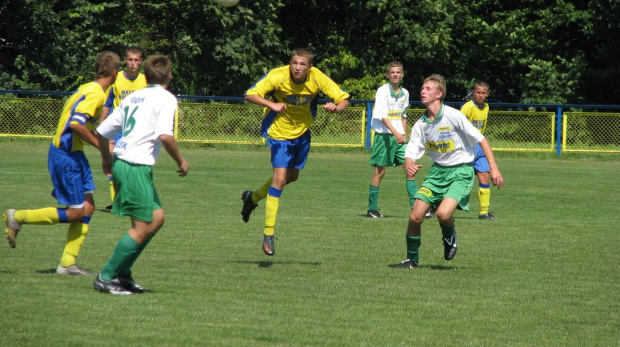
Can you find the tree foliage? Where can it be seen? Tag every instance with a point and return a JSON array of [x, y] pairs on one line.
[[543, 51]]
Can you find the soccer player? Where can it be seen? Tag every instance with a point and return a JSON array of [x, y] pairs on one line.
[[389, 121], [450, 139], [146, 120], [289, 94], [477, 111], [69, 169], [126, 83]]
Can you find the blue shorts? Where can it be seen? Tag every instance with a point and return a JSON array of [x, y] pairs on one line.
[[71, 176], [481, 164], [290, 154]]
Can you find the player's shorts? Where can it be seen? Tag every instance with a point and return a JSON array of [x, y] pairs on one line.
[[447, 182], [386, 151], [136, 195], [481, 164], [290, 154], [71, 176]]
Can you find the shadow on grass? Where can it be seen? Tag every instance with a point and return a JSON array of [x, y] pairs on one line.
[[272, 263], [432, 267], [46, 272]]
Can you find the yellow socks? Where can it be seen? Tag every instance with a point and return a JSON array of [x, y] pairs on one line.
[[261, 192], [484, 196], [112, 190], [75, 239], [271, 210], [42, 216]]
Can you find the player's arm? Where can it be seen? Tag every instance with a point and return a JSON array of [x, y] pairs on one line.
[[333, 107], [400, 138], [170, 145], [83, 132], [413, 151], [496, 176], [259, 100]]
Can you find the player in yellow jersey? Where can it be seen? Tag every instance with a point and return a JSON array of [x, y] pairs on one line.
[[290, 96], [477, 111], [127, 82], [69, 169]]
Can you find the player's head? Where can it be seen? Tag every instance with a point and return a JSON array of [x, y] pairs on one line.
[[106, 64], [394, 72], [158, 70], [434, 87], [133, 60], [300, 63], [480, 92]]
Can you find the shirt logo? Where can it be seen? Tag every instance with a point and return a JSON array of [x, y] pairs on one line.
[[440, 146], [298, 100], [425, 191]]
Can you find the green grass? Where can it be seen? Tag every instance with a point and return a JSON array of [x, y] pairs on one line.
[[546, 274]]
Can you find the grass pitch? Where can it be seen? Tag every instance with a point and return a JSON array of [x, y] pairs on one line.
[[546, 274]]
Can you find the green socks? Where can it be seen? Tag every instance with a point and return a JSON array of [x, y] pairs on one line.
[[124, 253], [373, 198], [413, 244]]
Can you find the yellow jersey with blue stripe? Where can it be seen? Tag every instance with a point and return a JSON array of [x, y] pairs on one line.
[[83, 107], [300, 99], [477, 115], [122, 87]]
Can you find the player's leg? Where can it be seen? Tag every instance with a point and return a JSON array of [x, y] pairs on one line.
[[444, 214], [139, 200], [457, 183], [373, 192], [65, 174], [76, 234], [379, 159], [414, 234], [481, 166]]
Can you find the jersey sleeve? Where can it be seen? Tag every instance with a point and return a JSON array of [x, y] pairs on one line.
[[380, 109], [263, 87], [87, 108]]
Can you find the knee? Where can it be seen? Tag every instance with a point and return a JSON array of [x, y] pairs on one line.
[[291, 179], [75, 214]]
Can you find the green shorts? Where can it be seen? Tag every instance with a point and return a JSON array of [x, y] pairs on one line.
[[447, 182], [386, 151], [136, 195]]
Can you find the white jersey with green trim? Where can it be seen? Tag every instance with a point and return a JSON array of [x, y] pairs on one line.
[[391, 107], [142, 117], [450, 138]]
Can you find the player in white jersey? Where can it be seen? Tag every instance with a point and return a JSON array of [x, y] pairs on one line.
[[389, 121], [146, 120], [450, 139]]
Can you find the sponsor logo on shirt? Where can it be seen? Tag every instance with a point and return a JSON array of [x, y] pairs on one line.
[[440, 146], [298, 100]]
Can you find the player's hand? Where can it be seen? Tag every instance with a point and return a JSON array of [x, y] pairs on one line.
[[330, 107], [497, 179], [400, 138], [107, 167], [411, 170], [183, 168], [278, 107]]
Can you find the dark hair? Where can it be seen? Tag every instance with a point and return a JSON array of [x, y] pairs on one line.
[[105, 64], [157, 69]]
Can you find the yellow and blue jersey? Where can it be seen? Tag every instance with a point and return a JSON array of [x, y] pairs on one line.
[[83, 107], [477, 116], [123, 87], [300, 99]]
